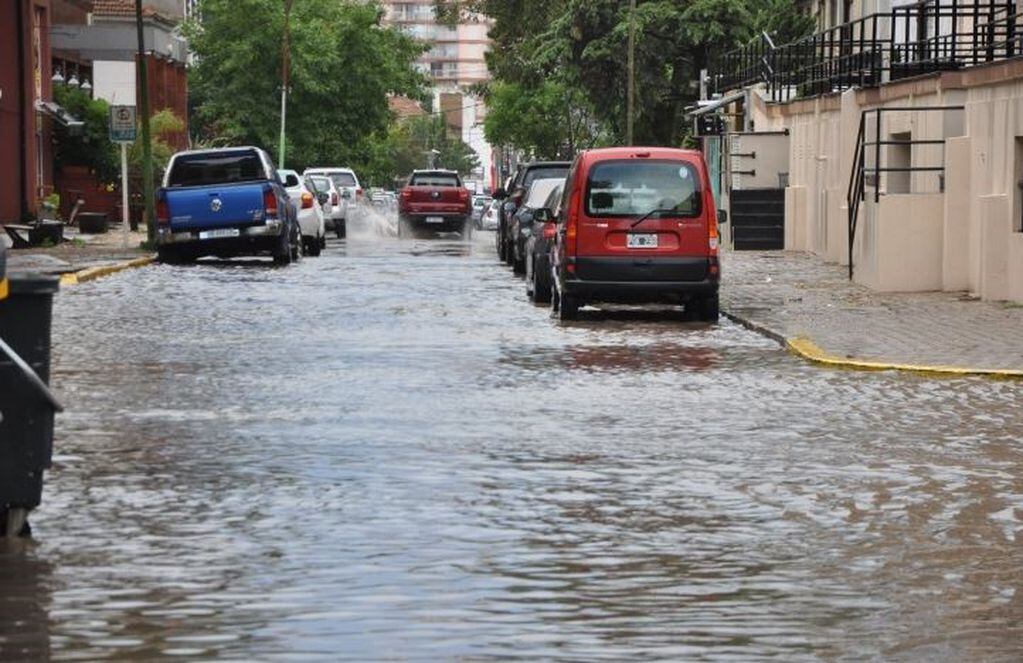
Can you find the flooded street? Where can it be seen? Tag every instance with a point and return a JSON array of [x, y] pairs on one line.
[[388, 453]]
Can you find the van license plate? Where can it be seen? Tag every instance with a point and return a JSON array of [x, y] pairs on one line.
[[219, 233], [435, 219], [641, 241]]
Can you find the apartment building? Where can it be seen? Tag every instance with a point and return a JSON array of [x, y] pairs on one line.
[[891, 142], [456, 61]]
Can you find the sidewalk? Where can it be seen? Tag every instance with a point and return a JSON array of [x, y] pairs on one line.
[[78, 253], [797, 296]]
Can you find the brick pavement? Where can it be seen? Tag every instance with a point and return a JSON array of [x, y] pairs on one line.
[[794, 295]]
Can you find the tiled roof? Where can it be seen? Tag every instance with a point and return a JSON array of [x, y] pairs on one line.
[[120, 8], [403, 107]]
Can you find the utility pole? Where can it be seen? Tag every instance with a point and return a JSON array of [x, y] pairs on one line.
[[630, 111], [285, 77], [147, 143]]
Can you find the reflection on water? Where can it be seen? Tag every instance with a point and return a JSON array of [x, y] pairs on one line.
[[387, 453]]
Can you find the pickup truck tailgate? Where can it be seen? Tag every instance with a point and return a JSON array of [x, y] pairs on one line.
[[225, 206], [440, 200]]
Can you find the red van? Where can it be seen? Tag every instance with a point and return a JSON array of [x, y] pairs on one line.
[[637, 225]]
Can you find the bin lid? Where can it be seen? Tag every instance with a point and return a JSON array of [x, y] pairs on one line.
[[33, 284]]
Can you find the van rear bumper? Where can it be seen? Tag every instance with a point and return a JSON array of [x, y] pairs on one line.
[[637, 280]]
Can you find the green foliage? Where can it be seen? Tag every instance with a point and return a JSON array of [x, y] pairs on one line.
[[549, 121], [579, 47], [160, 125], [92, 147], [344, 65], [409, 144]]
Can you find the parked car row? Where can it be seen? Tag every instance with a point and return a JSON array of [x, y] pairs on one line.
[[617, 226], [229, 202]]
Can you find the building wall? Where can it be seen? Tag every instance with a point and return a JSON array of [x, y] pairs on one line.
[[960, 232], [25, 134]]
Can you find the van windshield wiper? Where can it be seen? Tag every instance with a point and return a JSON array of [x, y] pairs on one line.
[[651, 213]]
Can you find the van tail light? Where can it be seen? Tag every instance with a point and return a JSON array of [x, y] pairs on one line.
[[162, 212], [550, 231], [307, 200], [572, 224], [270, 203], [712, 234], [333, 198]]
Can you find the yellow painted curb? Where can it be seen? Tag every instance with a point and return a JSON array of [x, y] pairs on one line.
[[93, 273], [810, 351]]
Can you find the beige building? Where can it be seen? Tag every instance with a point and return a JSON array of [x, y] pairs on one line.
[[455, 61], [902, 154]]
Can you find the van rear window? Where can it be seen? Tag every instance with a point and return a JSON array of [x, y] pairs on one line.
[[218, 168], [635, 188]]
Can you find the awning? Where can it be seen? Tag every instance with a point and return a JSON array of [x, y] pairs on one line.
[[57, 112], [713, 105]]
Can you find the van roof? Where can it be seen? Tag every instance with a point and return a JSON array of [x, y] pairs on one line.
[[600, 154]]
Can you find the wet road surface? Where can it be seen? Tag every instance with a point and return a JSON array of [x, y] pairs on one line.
[[387, 453]]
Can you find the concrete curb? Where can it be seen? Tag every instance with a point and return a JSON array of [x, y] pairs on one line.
[[810, 351], [93, 273]]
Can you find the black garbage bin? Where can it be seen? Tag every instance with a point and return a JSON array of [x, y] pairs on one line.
[[26, 404]]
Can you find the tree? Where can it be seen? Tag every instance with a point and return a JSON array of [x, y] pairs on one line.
[[344, 65], [91, 147], [582, 45], [549, 121]]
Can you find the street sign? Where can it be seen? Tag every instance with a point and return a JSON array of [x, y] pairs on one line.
[[122, 124]]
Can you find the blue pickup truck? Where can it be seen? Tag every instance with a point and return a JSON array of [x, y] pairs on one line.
[[225, 202]]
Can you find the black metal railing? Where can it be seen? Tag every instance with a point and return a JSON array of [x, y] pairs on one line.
[[861, 171], [928, 36]]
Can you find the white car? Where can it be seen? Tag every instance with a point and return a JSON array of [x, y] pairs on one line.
[[310, 212], [488, 221], [347, 184]]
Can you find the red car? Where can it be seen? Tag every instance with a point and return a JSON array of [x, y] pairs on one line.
[[434, 201], [637, 225]]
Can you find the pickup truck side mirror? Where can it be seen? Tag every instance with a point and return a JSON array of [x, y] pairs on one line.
[[500, 194], [722, 216]]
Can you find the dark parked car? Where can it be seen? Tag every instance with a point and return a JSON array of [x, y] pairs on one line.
[[514, 193], [538, 247], [521, 224], [638, 226]]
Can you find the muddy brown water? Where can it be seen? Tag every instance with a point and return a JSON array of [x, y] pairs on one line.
[[387, 453]]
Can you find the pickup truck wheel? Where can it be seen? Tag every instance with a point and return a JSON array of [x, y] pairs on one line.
[[172, 256], [312, 247], [282, 253]]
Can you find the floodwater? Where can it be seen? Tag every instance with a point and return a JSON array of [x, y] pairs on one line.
[[387, 453]]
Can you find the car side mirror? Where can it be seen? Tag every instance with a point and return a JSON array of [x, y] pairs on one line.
[[500, 194], [543, 215], [722, 216]]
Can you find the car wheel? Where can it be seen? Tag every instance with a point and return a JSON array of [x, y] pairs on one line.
[[541, 287], [500, 244], [296, 245], [340, 228], [323, 242], [530, 279], [312, 247]]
